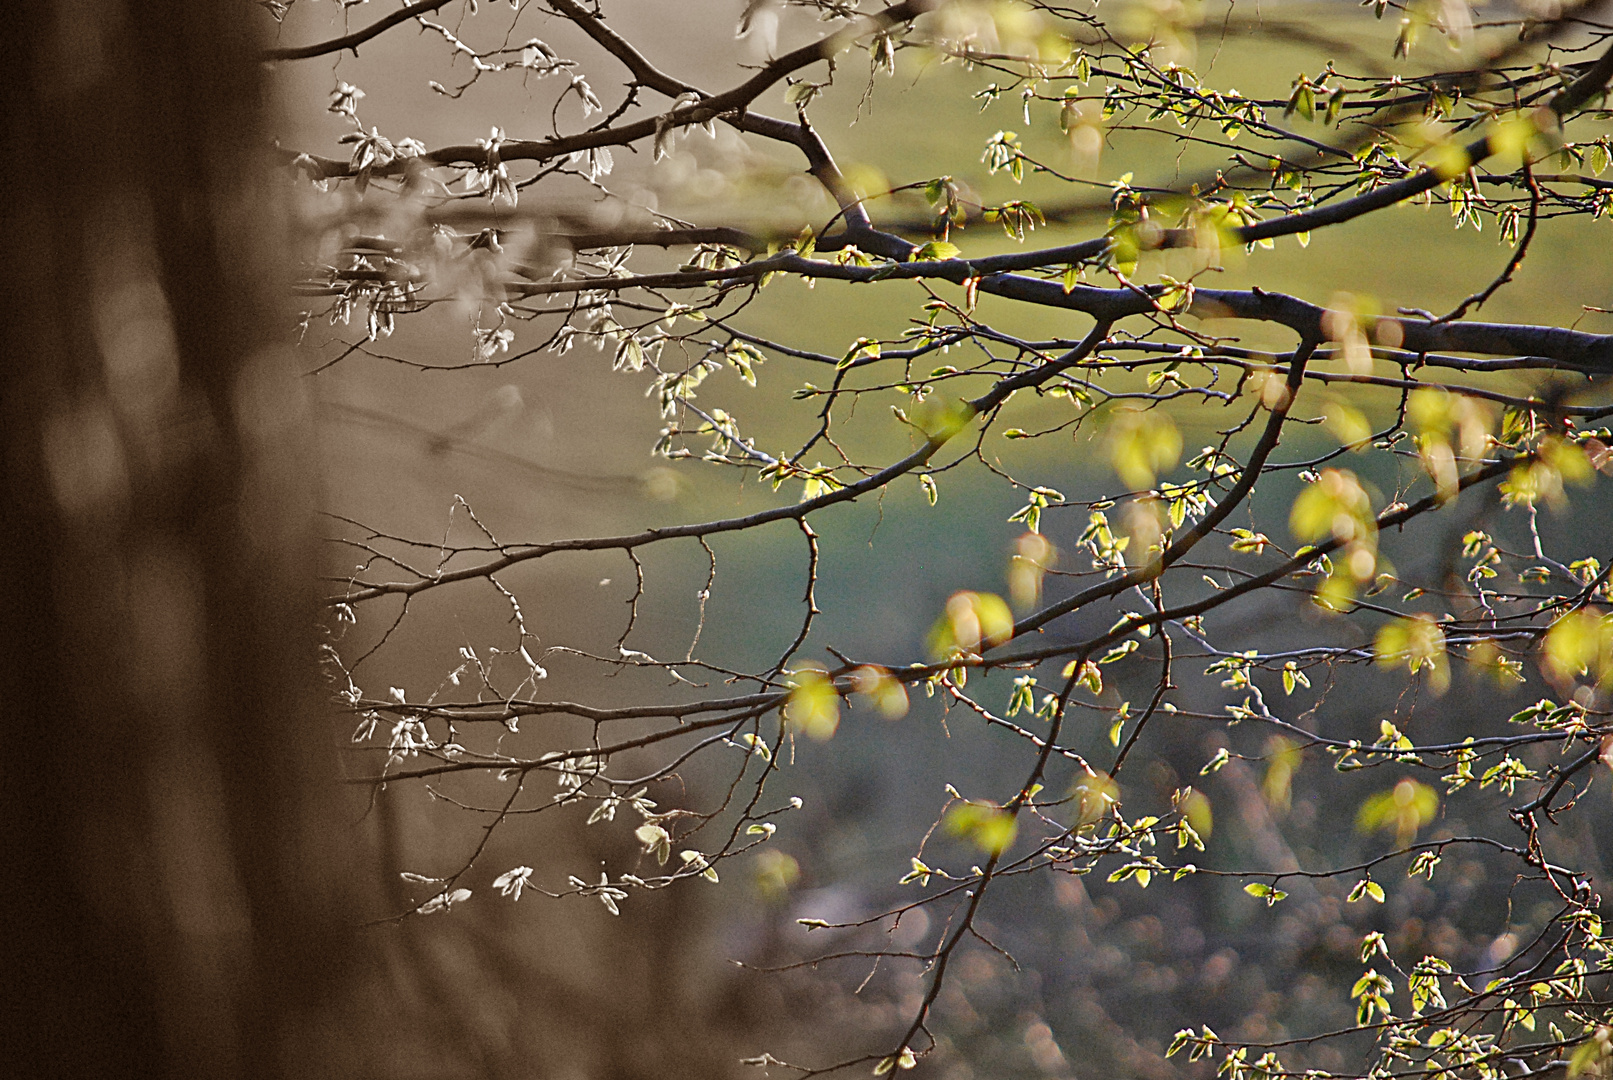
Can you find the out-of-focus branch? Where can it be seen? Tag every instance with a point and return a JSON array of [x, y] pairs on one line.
[[357, 37], [1566, 102], [730, 105]]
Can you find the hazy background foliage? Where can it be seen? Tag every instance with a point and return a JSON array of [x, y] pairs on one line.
[[558, 446]]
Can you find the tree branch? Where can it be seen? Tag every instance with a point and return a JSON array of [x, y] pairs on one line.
[[357, 37], [717, 107]]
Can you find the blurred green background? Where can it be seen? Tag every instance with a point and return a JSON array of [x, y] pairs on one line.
[[557, 446]]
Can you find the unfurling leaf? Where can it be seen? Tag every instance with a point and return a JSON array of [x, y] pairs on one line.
[[656, 841], [1268, 893]]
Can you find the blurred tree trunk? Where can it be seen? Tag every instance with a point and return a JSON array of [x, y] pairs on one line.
[[172, 906]]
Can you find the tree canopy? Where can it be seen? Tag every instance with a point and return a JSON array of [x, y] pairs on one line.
[[1301, 604]]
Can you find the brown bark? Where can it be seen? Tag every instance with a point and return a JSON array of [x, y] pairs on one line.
[[169, 908]]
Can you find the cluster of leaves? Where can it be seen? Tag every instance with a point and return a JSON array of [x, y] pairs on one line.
[[1434, 420]]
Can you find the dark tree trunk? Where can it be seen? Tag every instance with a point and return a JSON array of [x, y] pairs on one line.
[[169, 908]]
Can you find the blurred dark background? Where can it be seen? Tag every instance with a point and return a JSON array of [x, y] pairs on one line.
[[1105, 973], [558, 446]]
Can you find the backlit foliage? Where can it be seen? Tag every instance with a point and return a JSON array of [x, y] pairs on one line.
[[1331, 560]]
